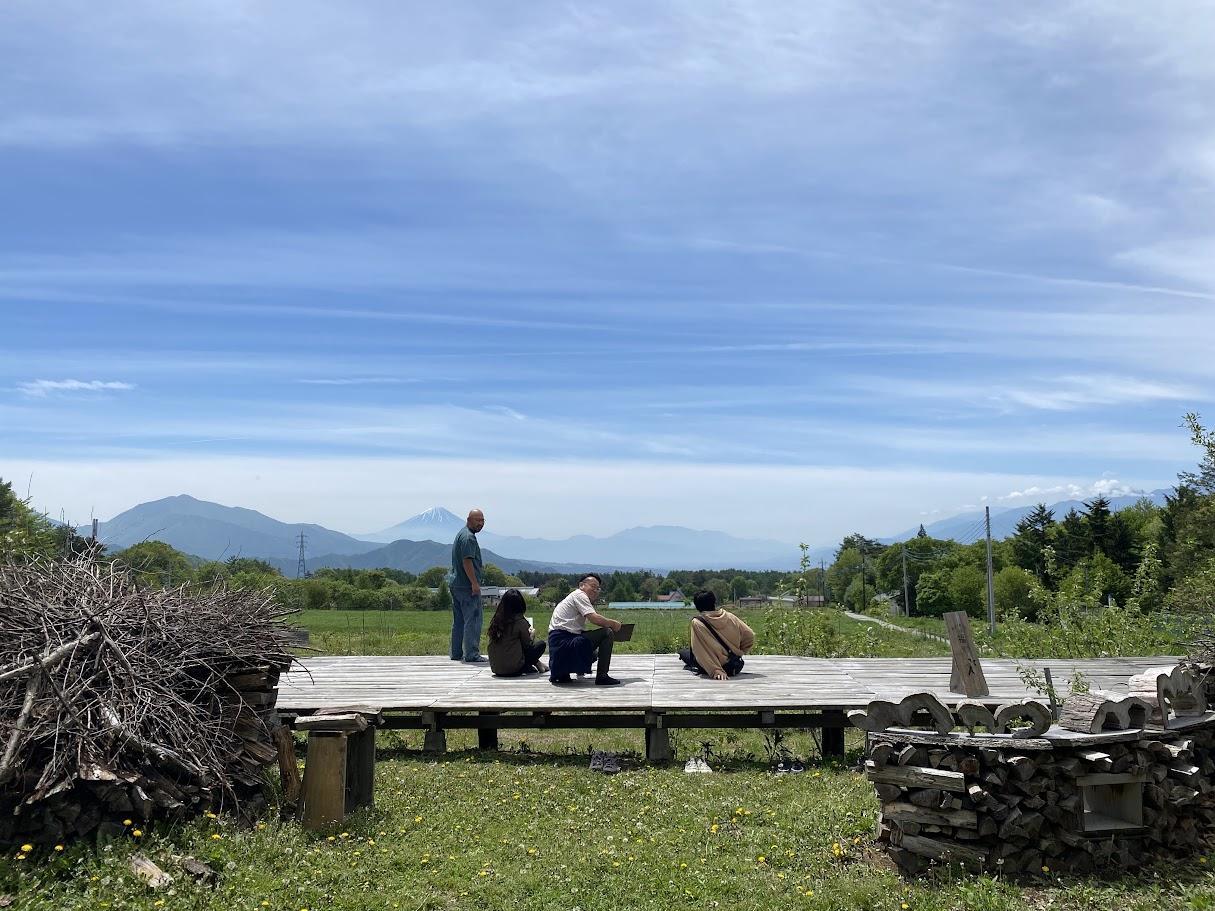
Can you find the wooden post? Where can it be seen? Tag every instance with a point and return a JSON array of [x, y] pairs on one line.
[[833, 736], [657, 739], [360, 770], [325, 780], [967, 676], [487, 738], [288, 771], [435, 740]]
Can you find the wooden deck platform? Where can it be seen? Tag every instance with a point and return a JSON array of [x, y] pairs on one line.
[[436, 694]]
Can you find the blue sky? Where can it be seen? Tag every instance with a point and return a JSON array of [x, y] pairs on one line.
[[787, 270]]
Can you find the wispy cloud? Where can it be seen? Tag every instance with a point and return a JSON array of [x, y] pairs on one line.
[[44, 388], [358, 381]]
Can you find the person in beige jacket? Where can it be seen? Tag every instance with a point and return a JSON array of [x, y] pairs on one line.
[[706, 650]]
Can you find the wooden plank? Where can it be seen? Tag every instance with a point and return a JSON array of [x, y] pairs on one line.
[[325, 781], [360, 770], [901, 811], [966, 674], [915, 777]]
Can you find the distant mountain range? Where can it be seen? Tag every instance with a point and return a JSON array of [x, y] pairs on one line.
[[968, 526], [215, 532]]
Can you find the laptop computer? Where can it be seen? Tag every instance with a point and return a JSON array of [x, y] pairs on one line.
[[626, 632]]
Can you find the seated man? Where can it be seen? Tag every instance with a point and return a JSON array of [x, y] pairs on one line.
[[713, 631], [571, 647]]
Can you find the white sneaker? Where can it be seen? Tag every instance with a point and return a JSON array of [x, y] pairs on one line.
[[696, 764]]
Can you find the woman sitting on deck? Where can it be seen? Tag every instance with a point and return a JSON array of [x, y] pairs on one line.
[[512, 650]]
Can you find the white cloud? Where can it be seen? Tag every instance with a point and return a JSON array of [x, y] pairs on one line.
[[43, 388], [1105, 487]]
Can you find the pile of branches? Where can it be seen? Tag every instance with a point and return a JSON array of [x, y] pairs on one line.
[[120, 702]]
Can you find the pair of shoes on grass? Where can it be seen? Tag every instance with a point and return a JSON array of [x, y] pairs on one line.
[[607, 763], [789, 767], [696, 764]]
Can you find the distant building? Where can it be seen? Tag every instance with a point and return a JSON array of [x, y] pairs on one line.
[[646, 605], [784, 600], [676, 595], [491, 594]]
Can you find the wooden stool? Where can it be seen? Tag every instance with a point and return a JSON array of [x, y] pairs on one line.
[[339, 775]]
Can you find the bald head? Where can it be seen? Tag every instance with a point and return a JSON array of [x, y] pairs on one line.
[[476, 520]]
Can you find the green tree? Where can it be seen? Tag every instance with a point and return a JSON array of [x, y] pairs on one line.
[[442, 598], [1031, 538], [492, 574], [841, 573], [1146, 588], [968, 590], [433, 576], [23, 532], [933, 596], [1014, 590], [155, 563]]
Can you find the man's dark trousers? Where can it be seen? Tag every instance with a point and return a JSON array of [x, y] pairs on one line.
[[603, 639]]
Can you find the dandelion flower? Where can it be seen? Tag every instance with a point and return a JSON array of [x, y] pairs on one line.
[[126, 822], [26, 848], [58, 847]]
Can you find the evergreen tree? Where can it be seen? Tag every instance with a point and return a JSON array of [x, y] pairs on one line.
[[1030, 540]]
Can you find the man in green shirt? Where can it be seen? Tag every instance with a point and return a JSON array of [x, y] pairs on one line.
[[464, 580]]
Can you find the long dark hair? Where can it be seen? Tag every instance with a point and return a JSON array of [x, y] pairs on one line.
[[510, 606]]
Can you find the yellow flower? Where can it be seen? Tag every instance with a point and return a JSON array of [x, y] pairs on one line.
[[417, 819], [215, 836], [158, 902], [58, 847], [20, 857], [904, 906], [761, 859], [126, 822], [344, 835], [137, 832], [26, 848], [1046, 869]]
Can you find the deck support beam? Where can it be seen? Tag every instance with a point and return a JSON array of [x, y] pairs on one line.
[[833, 734], [435, 740], [487, 737], [657, 738]]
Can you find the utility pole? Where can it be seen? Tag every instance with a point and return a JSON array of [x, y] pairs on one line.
[[906, 600], [822, 578], [864, 603], [991, 588], [301, 570]]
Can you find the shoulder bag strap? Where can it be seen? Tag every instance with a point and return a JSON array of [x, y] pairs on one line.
[[716, 635]]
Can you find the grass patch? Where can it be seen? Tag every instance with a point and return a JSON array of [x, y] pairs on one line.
[[827, 633], [517, 831]]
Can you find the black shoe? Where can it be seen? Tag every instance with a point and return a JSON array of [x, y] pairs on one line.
[[480, 659], [560, 681], [611, 765], [605, 680]]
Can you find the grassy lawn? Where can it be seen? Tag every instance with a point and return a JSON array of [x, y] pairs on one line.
[[533, 827]]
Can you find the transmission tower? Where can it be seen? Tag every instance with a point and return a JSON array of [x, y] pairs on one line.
[[301, 571]]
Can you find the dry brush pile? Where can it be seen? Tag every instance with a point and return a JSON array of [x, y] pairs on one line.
[[117, 701]]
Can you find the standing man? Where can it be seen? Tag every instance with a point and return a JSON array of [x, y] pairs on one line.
[[571, 646], [464, 580]]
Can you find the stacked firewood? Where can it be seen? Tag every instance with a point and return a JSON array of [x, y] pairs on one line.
[[1021, 810], [118, 702]]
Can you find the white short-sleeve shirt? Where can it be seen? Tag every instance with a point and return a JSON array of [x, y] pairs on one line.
[[571, 613]]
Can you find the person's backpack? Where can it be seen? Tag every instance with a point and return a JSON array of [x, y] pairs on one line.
[[734, 663]]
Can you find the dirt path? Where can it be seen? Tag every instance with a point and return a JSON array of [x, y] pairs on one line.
[[893, 626]]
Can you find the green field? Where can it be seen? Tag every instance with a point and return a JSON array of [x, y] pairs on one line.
[[658, 631], [533, 827]]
